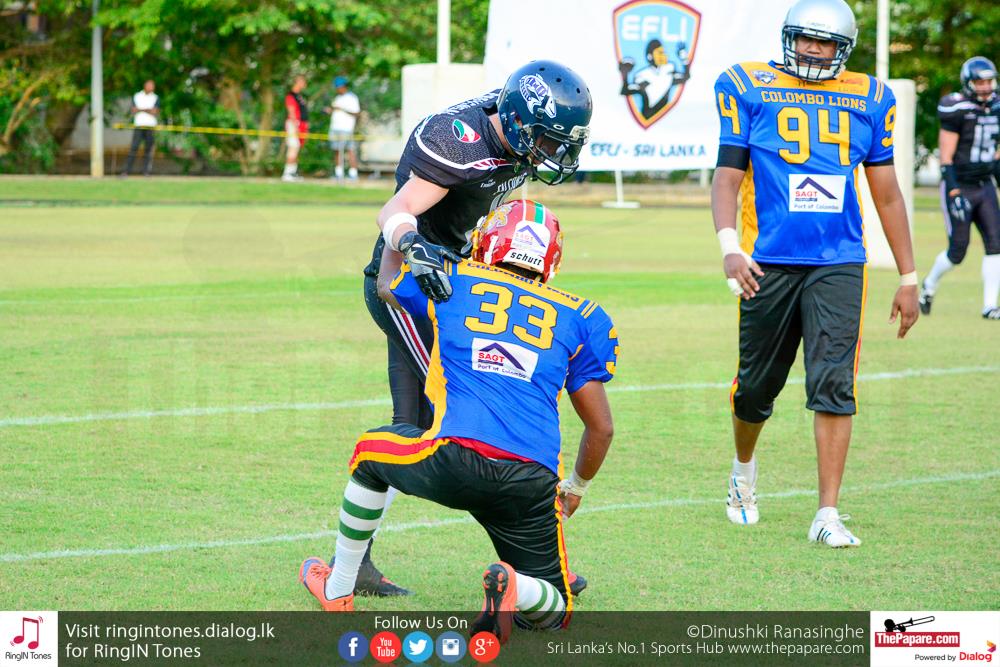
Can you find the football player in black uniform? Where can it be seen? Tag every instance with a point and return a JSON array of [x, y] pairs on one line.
[[457, 166], [970, 123]]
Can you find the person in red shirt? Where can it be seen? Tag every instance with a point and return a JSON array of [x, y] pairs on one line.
[[296, 125]]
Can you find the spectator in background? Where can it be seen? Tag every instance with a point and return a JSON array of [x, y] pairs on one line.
[[296, 124], [145, 108], [344, 112]]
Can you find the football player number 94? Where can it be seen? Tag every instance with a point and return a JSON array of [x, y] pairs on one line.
[[498, 319], [793, 127]]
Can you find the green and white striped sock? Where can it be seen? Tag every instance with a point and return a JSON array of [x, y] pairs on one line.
[[360, 515], [539, 603]]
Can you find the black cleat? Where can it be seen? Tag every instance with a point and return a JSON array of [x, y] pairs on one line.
[[926, 299], [991, 314], [576, 583], [372, 582]]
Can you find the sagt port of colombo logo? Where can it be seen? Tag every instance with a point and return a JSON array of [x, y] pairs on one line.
[[655, 43]]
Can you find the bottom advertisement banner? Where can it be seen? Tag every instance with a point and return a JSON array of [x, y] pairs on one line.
[[902, 638], [433, 638]]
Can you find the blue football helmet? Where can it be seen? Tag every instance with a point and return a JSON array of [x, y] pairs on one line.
[[545, 111], [978, 69]]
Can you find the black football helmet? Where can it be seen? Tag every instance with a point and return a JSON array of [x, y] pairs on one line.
[[545, 111], [979, 68]]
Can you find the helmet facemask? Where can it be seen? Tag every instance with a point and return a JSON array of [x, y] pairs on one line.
[[556, 153], [812, 68]]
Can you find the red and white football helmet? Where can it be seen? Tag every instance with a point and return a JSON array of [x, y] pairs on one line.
[[521, 233]]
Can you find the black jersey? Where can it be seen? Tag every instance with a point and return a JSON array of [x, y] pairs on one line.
[[977, 125], [460, 150]]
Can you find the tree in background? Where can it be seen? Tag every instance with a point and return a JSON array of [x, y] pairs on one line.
[[41, 63], [226, 63], [930, 39], [229, 62], [223, 63]]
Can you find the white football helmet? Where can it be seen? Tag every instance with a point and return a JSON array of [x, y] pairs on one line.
[[830, 20]]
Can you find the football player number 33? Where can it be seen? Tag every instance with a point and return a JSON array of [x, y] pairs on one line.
[[494, 319], [793, 127]]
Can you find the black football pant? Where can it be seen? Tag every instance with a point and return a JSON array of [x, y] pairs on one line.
[[410, 342], [985, 216], [820, 306], [514, 501]]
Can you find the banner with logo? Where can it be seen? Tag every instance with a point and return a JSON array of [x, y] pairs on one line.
[[651, 66]]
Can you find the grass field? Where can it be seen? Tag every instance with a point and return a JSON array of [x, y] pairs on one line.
[[185, 372]]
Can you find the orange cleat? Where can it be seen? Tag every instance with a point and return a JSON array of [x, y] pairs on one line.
[[313, 574], [500, 604]]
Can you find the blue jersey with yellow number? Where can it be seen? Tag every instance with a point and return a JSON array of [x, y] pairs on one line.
[[504, 348], [806, 142]]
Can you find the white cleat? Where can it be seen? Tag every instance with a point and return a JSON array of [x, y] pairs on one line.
[[828, 528], [741, 503]]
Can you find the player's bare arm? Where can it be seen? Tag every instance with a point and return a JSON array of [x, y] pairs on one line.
[[737, 266], [591, 404], [892, 211], [948, 144], [415, 197]]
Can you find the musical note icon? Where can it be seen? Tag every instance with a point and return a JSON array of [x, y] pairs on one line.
[[32, 645]]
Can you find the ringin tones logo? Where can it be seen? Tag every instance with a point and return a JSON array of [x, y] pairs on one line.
[[31, 638]]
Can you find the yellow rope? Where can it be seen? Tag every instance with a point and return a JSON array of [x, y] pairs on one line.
[[235, 131]]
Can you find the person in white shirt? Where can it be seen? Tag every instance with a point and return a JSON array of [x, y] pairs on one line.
[[344, 112], [145, 108]]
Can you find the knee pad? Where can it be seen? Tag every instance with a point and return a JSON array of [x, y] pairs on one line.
[[957, 254]]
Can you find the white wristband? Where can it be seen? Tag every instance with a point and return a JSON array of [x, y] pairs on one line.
[[392, 224], [574, 484], [729, 241], [908, 279]]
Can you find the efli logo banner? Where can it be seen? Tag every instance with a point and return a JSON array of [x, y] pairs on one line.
[[655, 43], [650, 65]]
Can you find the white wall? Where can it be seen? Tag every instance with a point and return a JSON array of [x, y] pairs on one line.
[[904, 133], [431, 88]]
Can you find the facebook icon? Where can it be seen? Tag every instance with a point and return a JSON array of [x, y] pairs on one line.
[[353, 646]]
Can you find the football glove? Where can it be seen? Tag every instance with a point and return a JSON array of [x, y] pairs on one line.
[[426, 262], [959, 209]]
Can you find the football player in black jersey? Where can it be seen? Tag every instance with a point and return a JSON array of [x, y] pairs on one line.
[[457, 166], [970, 123]]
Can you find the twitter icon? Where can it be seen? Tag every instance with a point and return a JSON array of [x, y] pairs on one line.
[[417, 646]]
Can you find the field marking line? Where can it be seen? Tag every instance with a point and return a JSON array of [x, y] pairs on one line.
[[48, 420], [431, 524], [178, 297], [190, 412]]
